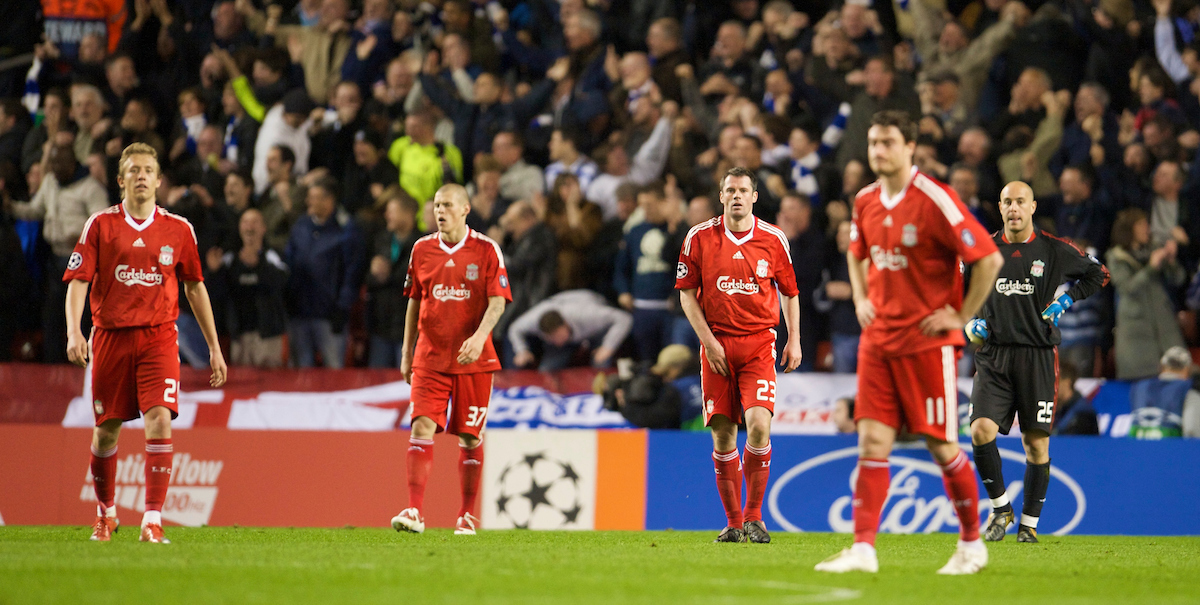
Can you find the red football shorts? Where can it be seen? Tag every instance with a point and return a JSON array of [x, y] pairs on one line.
[[751, 380], [133, 370], [918, 390], [464, 396]]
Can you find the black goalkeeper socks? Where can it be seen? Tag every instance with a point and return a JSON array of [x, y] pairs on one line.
[[1037, 480], [987, 462]]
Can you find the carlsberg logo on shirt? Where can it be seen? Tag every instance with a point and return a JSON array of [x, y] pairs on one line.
[[733, 285], [445, 293], [138, 277], [1009, 287]]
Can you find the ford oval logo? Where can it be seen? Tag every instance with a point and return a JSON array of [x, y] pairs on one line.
[[916, 501]]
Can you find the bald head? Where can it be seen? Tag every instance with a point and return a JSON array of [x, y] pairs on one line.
[[1017, 189], [1017, 207], [450, 208]]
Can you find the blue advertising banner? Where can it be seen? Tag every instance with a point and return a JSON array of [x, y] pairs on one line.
[[1097, 486]]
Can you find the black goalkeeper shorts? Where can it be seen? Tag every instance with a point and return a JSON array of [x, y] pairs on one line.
[[1020, 381]]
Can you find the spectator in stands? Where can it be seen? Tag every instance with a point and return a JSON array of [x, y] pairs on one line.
[[325, 255], [1083, 210], [487, 202], [665, 397], [17, 290], [240, 131], [975, 151], [1082, 328], [1075, 414], [810, 251], [386, 303], [14, 127], [1170, 217], [946, 49], [121, 82], [1145, 317], [424, 164], [88, 113], [664, 41], [862, 27], [882, 89], [369, 173], [564, 152], [530, 254], [645, 166], [601, 259], [207, 167], [1152, 89], [519, 180], [333, 136], [566, 324], [1029, 151], [458, 17], [252, 282], [1092, 137], [186, 132], [1167, 404], [575, 222], [319, 49], [282, 203], [56, 108], [64, 201], [843, 413], [239, 190], [287, 123], [844, 330], [645, 270]]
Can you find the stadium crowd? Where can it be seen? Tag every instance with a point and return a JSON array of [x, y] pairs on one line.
[[304, 141]]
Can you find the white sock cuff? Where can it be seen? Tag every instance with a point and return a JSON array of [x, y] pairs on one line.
[[421, 441], [159, 448], [1000, 502], [152, 517], [759, 451], [956, 464], [1029, 521], [464, 446], [726, 457], [104, 454]]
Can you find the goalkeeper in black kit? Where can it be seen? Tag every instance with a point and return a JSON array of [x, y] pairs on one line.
[[1017, 366]]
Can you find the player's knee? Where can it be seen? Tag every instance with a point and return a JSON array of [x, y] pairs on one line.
[[982, 432], [1037, 448], [158, 422], [423, 427]]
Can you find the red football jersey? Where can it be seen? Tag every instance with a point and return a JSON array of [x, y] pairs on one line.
[[737, 278], [135, 268], [915, 242], [453, 284]]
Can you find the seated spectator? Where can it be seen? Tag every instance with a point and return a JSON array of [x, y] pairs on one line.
[[1160, 404], [386, 304], [843, 413], [1075, 415], [424, 163], [252, 282], [575, 222], [325, 255], [567, 323], [530, 254], [519, 180], [1145, 317]]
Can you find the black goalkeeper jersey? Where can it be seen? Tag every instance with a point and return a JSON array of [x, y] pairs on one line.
[[1031, 275]]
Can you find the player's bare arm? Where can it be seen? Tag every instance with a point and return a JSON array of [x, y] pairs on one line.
[[77, 344], [472, 347], [197, 295], [863, 307], [792, 352], [983, 275], [712, 348], [410, 338]]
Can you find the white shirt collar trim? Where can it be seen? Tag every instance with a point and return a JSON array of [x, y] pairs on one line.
[[133, 222], [891, 202], [745, 238], [456, 247]]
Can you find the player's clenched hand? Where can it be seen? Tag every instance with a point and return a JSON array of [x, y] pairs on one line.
[[865, 310], [406, 368], [792, 355], [470, 350], [942, 320], [716, 358], [219, 370], [77, 349]]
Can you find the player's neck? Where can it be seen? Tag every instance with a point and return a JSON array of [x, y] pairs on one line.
[[1018, 237], [454, 235], [895, 183], [743, 224], [140, 210]]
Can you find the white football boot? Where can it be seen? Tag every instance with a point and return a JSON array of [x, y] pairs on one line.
[[466, 525], [409, 520], [968, 558], [859, 557]]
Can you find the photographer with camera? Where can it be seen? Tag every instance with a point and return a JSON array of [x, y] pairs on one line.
[[664, 397]]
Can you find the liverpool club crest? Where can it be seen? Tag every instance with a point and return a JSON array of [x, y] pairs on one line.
[[472, 272], [166, 255], [908, 235], [1037, 269], [763, 269]]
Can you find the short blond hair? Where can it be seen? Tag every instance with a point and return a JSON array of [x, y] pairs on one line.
[[137, 149]]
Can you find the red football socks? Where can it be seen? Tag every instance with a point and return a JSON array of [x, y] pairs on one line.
[[159, 455], [420, 460], [959, 480], [757, 471], [870, 492], [104, 472], [470, 469], [729, 485]]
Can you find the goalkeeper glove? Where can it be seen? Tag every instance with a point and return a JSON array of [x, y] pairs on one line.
[[977, 330], [1055, 309]]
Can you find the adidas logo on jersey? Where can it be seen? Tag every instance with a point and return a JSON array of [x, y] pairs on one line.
[[738, 255], [887, 221], [138, 243], [450, 263], [1017, 254]]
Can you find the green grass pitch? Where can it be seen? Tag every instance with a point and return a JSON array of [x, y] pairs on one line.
[[357, 565]]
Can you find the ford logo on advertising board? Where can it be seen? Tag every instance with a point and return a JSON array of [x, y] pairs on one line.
[[815, 495]]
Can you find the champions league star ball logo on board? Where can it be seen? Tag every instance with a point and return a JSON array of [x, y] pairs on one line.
[[817, 495], [538, 491]]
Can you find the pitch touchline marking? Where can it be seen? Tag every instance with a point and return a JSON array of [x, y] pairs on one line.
[[819, 594]]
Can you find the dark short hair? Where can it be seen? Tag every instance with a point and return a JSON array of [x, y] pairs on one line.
[[517, 139], [657, 188], [899, 119], [753, 138], [1122, 229], [244, 175], [550, 321], [286, 154], [741, 171], [328, 184], [1086, 173]]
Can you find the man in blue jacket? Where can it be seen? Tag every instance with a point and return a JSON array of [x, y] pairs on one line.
[[327, 256]]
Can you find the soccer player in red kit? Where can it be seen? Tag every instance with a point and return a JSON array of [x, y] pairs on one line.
[[134, 255], [909, 234], [729, 271], [457, 287]]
